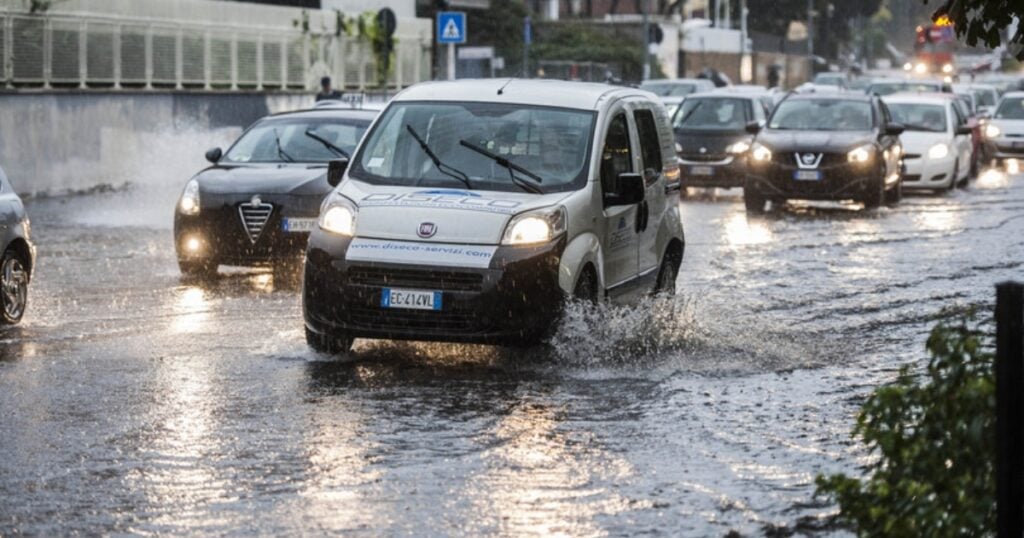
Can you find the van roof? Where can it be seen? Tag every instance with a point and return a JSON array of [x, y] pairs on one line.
[[553, 93]]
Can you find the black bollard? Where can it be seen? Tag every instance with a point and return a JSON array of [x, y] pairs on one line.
[[1010, 410]]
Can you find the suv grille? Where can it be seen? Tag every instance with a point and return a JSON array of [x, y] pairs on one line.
[[254, 218], [416, 278]]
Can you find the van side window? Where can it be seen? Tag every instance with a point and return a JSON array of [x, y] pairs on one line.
[[616, 157], [650, 144]]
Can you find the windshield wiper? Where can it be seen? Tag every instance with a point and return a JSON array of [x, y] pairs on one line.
[[280, 151], [686, 116], [328, 144], [441, 167], [512, 167]]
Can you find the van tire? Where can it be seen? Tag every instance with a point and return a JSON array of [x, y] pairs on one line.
[[328, 344], [586, 286], [667, 273]]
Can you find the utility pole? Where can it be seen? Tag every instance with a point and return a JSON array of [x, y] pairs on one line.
[[810, 32], [646, 40]]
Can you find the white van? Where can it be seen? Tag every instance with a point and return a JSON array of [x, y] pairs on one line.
[[472, 209]]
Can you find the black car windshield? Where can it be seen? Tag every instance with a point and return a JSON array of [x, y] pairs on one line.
[[712, 114], [889, 88], [919, 117], [669, 89], [1010, 108], [822, 115], [551, 143], [304, 140]]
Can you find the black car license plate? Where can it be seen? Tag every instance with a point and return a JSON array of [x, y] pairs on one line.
[[807, 175]]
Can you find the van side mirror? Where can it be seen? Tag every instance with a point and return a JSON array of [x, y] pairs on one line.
[[214, 154], [753, 127], [894, 129], [630, 190], [335, 171], [963, 130]]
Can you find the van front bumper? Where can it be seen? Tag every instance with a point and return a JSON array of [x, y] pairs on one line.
[[515, 300]]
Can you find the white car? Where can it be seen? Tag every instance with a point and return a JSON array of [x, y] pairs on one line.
[[473, 209], [677, 87], [1004, 133], [936, 140], [985, 96]]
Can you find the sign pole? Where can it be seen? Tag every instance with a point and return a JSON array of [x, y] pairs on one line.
[[451, 61]]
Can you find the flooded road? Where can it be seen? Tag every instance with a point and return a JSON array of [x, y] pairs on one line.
[[133, 402]]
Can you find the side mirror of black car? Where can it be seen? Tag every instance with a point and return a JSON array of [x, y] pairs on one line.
[[213, 155], [629, 191], [894, 129], [963, 130], [335, 171], [753, 127]]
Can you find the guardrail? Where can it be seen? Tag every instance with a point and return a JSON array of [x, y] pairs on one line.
[[69, 50], [1010, 410]]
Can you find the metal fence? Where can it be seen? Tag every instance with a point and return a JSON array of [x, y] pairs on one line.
[[93, 51]]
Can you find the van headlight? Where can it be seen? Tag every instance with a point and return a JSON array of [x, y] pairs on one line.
[[938, 151], [760, 153], [861, 154], [739, 147], [535, 227], [339, 217], [189, 203], [991, 131]]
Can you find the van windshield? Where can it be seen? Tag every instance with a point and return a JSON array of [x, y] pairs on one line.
[[553, 144]]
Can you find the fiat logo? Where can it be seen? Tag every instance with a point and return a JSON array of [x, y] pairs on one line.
[[808, 158], [426, 230]]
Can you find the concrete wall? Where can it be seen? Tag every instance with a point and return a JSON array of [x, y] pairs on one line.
[[58, 142]]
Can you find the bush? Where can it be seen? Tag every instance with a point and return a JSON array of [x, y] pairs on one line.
[[933, 438]]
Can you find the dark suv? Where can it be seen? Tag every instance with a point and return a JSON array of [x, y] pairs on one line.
[[841, 146]]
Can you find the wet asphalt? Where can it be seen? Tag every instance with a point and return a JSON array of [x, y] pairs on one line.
[[134, 402]]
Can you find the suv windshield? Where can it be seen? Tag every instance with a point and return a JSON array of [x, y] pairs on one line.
[[1010, 108], [551, 143], [822, 115], [712, 114], [302, 140], [919, 117], [669, 89]]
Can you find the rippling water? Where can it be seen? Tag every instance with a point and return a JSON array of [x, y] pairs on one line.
[[131, 402]]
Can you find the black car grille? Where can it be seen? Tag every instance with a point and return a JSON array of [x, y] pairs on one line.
[[416, 278], [789, 158], [427, 321], [254, 218]]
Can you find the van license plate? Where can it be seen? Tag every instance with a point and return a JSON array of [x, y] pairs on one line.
[[410, 299], [807, 175], [298, 225], [701, 171]]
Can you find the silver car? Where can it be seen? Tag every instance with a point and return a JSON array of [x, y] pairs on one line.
[[18, 254]]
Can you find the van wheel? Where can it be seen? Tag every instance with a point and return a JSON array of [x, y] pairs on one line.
[[328, 344], [200, 270], [586, 286], [753, 201], [667, 274]]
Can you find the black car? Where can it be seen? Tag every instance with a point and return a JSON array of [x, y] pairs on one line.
[[713, 134], [259, 200], [18, 254], [841, 146]]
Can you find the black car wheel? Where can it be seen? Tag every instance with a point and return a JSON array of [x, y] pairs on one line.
[[874, 196], [203, 270], [895, 194], [328, 344], [13, 287], [753, 200]]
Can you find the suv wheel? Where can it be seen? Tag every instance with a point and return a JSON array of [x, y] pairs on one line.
[[754, 201]]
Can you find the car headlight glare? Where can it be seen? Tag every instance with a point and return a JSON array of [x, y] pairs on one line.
[[920, 68], [908, 66], [535, 227], [938, 151], [739, 147], [861, 154], [947, 68], [189, 203], [339, 219], [991, 131], [760, 153]]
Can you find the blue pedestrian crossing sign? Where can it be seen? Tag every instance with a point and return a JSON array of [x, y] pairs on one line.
[[451, 27]]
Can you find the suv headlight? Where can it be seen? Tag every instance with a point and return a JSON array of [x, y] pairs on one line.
[[339, 217], [534, 227], [189, 203], [938, 151], [760, 153], [992, 131], [739, 147], [861, 155]]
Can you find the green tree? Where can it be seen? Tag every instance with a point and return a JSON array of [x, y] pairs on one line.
[[985, 22], [583, 42], [500, 26], [932, 435]]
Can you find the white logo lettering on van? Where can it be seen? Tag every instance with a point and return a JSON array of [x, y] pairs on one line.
[[442, 200]]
